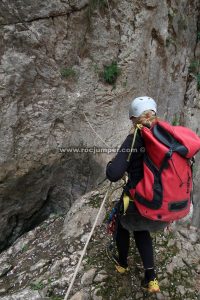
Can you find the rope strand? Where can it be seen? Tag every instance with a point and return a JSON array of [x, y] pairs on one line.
[[86, 244], [95, 131]]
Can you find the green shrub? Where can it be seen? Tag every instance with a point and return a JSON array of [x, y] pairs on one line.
[[24, 248], [194, 66], [111, 72], [175, 121], [67, 72], [198, 81], [37, 285], [170, 41], [93, 4], [182, 23], [97, 4]]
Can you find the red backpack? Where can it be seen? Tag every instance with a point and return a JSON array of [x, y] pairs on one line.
[[164, 193]]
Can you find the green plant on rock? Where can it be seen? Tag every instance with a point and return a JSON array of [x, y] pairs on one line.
[[94, 4], [198, 81], [37, 285], [24, 248], [175, 121], [194, 68], [67, 72], [170, 41], [95, 201], [182, 23], [97, 4], [111, 72], [198, 36], [45, 226], [56, 298], [172, 12]]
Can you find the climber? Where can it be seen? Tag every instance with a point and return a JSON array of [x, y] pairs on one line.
[[142, 111]]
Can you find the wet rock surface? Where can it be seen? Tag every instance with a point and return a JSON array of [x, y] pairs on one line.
[[41, 263]]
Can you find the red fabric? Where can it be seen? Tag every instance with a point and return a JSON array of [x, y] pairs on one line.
[[176, 179], [156, 151], [173, 191], [185, 136]]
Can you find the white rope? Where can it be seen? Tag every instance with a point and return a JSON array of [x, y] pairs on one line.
[[95, 131], [86, 244]]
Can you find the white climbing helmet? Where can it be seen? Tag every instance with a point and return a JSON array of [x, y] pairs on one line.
[[141, 104]]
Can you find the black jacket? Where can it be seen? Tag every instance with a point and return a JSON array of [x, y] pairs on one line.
[[119, 165], [133, 220]]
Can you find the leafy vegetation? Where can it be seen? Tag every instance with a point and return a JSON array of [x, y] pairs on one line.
[[56, 298], [194, 68], [182, 23], [24, 248], [175, 121], [111, 72], [37, 285], [170, 41], [98, 4], [198, 81], [67, 72], [198, 36]]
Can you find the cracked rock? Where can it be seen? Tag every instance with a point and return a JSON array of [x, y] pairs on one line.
[[100, 277], [151, 3], [81, 295], [88, 277], [5, 268], [41, 264], [26, 294]]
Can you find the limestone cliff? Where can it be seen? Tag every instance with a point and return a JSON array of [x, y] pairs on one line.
[[54, 93], [41, 263]]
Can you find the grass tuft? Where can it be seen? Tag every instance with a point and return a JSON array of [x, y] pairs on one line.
[[37, 286], [67, 72]]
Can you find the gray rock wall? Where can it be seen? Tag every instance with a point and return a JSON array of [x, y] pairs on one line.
[[52, 94], [40, 264]]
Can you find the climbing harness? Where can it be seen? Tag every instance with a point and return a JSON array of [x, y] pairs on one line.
[[112, 220], [86, 244]]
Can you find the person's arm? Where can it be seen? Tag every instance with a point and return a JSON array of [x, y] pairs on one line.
[[118, 166]]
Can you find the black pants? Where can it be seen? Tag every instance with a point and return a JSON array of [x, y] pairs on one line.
[[143, 243]]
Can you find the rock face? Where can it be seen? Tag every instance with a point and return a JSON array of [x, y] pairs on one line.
[[53, 95], [41, 263]]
